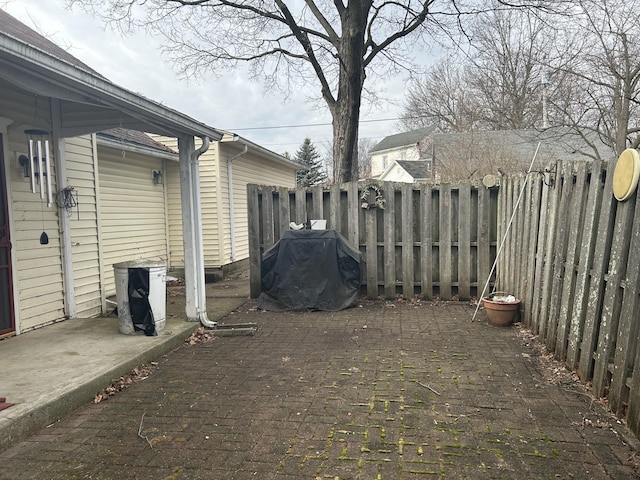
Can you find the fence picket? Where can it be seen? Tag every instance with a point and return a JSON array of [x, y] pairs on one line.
[[531, 248], [371, 252], [536, 306], [426, 244], [444, 242], [627, 339], [568, 286], [585, 262], [600, 259], [612, 300], [559, 253], [407, 221], [484, 239], [464, 241], [390, 247], [255, 253]]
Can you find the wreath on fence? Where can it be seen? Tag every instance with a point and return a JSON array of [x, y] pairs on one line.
[[379, 200]]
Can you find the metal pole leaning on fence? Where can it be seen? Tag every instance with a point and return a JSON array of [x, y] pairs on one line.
[[506, 232]]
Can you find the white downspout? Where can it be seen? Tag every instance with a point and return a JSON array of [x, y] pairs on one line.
[[199, 252], [195, 293], [232, 222]]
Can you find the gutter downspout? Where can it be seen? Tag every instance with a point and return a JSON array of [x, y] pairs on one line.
[[232, 222], [201, 308]]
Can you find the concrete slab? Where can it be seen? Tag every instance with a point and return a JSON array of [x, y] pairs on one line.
[[49, 372]]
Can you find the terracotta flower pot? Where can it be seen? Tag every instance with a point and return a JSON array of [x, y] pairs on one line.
[[500, 314]]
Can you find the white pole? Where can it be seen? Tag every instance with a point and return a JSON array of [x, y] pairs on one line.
[[39, 161], [31, 166], [506, 232], [48, 172]]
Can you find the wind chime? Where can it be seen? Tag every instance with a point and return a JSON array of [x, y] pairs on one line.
[[37, 166]]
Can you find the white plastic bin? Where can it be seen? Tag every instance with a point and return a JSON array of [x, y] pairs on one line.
[[157, 293]]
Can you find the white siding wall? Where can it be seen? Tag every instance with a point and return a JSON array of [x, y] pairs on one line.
[[247, 169], [81, 175], [39, 267], [214, 192], [211, 224], [397, 174], [174, 215], [132, 210], [401, 153]]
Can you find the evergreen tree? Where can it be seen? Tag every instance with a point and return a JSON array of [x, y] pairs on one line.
[[313, 173]]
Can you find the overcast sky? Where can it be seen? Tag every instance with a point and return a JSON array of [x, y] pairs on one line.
[[231, 102]]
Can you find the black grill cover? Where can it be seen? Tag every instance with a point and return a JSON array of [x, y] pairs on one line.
[[310, 269]]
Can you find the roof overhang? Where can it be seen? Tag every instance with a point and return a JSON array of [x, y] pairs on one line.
[[134, 148], [261, 151], [89, 102]]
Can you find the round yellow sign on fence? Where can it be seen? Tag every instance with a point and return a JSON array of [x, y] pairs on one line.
[[626, 173]]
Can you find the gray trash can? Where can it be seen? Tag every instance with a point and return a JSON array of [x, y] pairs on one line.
[[156, 292]]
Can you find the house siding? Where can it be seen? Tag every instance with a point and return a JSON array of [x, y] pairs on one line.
[[209, 183], [174, 216], [214, 194], [247, 169], [397, 174], [81, 175], [401, 153], [38, 267], [132, 210]]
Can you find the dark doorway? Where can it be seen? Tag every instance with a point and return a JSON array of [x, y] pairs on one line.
[[7, 317]]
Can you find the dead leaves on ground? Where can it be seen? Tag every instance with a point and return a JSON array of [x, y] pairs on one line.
[[139, 373], [199, 336]]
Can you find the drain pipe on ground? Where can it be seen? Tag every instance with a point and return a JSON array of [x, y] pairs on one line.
[[232, 222], [506, 232], [195, 182]]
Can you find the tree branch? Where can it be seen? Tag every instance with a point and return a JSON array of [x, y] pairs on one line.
[[304, 41]]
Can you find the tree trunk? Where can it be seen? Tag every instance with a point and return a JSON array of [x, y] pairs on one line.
[[345, 111]]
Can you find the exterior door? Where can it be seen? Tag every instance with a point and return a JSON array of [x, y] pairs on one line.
[[7, 317]]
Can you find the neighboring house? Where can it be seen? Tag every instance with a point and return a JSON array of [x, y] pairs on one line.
[[467, 155], [408, 171], [97, 201], [411, 145]]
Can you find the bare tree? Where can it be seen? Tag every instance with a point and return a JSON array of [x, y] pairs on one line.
[[603, 63], [333, 45], [471, 157], [494, 82], [364, 160], [508, 51], [441, 98]]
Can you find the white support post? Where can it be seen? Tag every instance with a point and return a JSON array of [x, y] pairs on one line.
[[186, 147], [63, 219]]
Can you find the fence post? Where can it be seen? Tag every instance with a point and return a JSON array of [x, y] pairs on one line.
[[253, 214], [426, 243], [389, 255], [444, 242], [407, 240], [464, 241]]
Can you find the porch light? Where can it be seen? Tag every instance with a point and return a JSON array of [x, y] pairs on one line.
[[156, 175], [38, 164], [25, 164]]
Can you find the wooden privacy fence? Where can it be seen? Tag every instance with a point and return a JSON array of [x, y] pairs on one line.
[[572, 255], [415, 239]]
